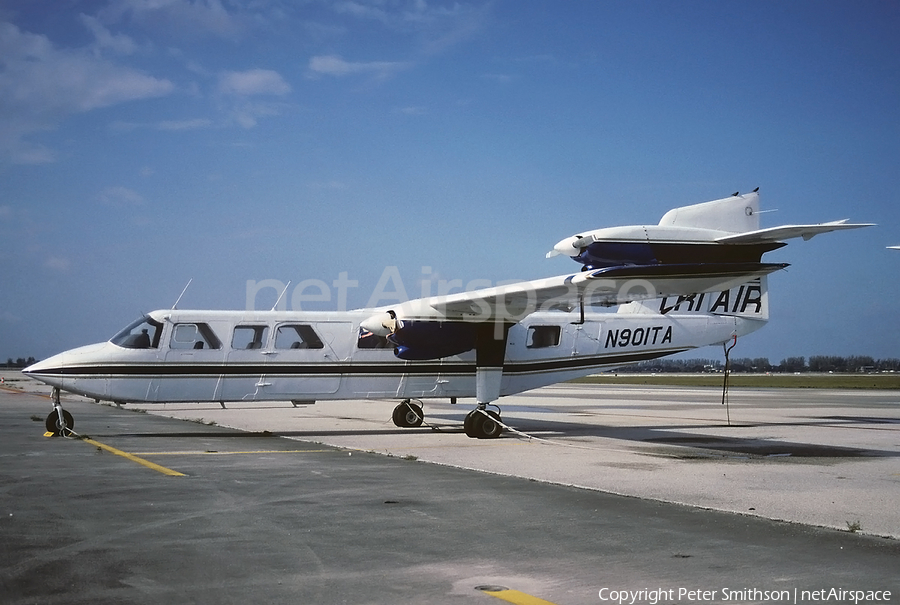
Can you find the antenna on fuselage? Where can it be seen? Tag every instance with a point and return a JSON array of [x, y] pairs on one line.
[[281, 295], [182, 294]]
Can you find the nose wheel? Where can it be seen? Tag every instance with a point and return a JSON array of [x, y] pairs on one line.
[[59, 422]]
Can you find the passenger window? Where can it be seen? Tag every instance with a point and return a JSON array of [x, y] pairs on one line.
[[194, 336], [143, 333], [368, 340], [540, 337], [250, 337], [300, 336]]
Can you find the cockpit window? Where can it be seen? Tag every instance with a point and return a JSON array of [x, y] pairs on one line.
[[143, 333], [250, 337], [194, 336], [297, 336]]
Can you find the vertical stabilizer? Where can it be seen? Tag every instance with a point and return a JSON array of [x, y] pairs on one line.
[[736, 214]]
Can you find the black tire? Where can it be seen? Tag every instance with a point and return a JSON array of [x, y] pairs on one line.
[[399, 415], [53, 425], [483, 424], [407, 415], [469, 423], [489, 427]]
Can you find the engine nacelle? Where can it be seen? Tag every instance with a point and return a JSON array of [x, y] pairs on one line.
[[422, 340]]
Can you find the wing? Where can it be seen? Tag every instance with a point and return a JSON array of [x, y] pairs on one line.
[[776, 234], [602, 287]]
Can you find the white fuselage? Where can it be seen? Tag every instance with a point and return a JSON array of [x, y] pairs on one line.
[[304, 356]]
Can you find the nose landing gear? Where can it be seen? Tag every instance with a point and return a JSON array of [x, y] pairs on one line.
[[59, 422]]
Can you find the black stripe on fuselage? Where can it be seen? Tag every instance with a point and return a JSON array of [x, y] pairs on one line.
[[348, 368]]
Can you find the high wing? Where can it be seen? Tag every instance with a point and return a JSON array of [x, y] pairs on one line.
[[602, 287], [777, 234]]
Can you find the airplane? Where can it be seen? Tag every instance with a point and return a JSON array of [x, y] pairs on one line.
[[694, 280]]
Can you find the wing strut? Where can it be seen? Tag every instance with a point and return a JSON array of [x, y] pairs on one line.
[[490, 352]]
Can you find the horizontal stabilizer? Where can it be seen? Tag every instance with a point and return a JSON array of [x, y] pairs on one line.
[[777, 234]]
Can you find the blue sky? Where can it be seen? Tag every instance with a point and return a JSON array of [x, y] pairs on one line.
[[147, 142]]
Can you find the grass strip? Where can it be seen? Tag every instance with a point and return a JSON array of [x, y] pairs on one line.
[[759, 381]]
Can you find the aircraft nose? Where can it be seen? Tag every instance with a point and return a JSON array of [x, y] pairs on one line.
[[44, 365], [53, 369], [48, 370]]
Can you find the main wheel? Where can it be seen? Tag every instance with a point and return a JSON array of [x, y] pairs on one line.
[[483, 424], [407, 415], [469, 423], [54, 426], [490, 427]]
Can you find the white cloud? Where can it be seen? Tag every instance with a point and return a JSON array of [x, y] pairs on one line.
[[105, 39], [334, 65], [437, 25], [120, 197], [246, 113], [188, 16], [253, 82], [362, 11], [41, 85], [239, 88]]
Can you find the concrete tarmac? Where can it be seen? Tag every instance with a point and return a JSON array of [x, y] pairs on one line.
[[280, 504], [820, 457]]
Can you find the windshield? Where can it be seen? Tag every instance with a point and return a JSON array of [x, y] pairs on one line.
[[142, 333]]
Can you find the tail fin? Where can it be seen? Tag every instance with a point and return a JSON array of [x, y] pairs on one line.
[[750, 300], [735, 214]]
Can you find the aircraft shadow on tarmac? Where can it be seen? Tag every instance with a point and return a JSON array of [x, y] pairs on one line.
[[685, 445], [715, 445]]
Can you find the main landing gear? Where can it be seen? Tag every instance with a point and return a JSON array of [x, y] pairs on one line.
[[59, 422], [408, 414], [480, 423]]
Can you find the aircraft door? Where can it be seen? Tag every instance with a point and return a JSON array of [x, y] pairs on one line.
[[245, 377], [302, 360], [194, 356]]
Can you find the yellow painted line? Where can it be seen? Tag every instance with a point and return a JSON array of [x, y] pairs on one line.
[[210, 453], [519, 598], [133, 458]]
